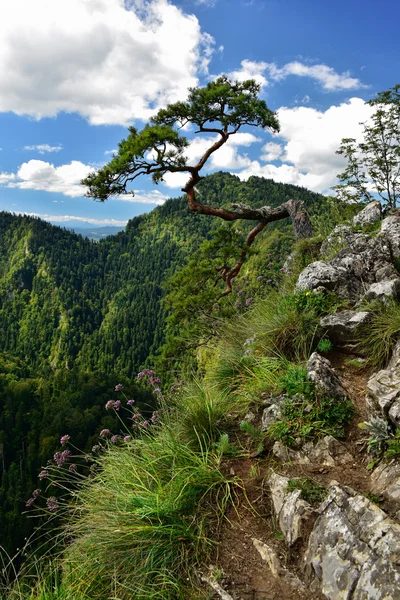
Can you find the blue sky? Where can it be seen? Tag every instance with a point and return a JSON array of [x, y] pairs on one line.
[[75, 73]]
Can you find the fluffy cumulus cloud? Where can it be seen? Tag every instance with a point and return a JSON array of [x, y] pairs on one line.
[[310, 139], [43, 148], [65, 179], [108, 60], [266, 73], [226, 158]]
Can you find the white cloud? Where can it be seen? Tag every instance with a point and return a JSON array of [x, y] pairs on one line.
[[264, 73], [250, 70], [310, 139], [6, 177], [327, 76], [111, 151], [108, 60], [272, 151], [65, 179], [227, 157], [43, 148], [41, 175], [66, 218]]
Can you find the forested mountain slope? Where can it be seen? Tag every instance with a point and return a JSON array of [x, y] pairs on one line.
[[64, 298]]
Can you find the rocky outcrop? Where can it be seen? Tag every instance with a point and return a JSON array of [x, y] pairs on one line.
[[383, 394], [369, 215], [327, 452], [384, 291], [385, 481], [293, 513], [354, 261], [342, 327], [327, 383], [354, 549]]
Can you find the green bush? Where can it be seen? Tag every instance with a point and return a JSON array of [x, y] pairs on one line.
[[307, 419]]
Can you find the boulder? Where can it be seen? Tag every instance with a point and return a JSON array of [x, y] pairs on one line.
[[391, 230], [354, 549], [385, 481], [292, 512], [318, 274], [270, 415], [369, 215], [342, 327], [341, 237], [383, 395], [327, 383], [384, 290]]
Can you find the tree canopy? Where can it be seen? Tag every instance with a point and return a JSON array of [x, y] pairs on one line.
[[221, 107], [373, 165]]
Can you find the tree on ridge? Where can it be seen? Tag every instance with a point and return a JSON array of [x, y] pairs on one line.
[[222, 107]]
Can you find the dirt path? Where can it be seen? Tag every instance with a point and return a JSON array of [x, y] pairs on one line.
[[242, 572]]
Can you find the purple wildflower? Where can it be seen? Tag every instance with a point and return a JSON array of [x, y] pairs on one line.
[[259, 278], [114, 439], [140, 375], [149, 372], [249, 301], [240, 292], [157, 391], [130, 402], [118, 387], [154, 417], [88, 457], [72, 468], [109, 404], [269, 281], [105, 433], [127, 438], [96, 448], [145, 424], [117, 404], [238, 304], [43, 474], [36, 493], [154, 380], [30, 502], [136, 416], [52, 503], [65, 439], [61, 457]]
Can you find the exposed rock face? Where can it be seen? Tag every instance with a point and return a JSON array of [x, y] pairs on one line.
[[359, 259], [385, 481], [354, 549], [292, 512], [369, 215], [270, 415], [391, 230], [384, 290], [327, 452], [342, 327], [327, 383], [383, 394]]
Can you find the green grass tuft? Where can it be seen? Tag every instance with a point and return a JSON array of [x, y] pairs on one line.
[[311, 491]]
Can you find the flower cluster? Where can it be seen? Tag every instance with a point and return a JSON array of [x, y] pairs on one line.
[[154, 381], [65, 439], [115, 404], [43, 474], [52, 503], [61, 457], [118, 387]]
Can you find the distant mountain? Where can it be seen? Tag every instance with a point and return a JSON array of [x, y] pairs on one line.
[[95, 233]]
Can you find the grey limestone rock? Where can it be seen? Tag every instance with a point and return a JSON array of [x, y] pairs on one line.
[[326, 381], [369, 215], [354, 549], [383, 290], [383, 395], [318, 274], [391, 230], [327, 452], [385, 481], [342, 327], [292, 512], [270, 415]]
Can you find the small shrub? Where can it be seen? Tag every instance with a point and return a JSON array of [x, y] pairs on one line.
[[393, 446], [379, 435], [306, 419], [296, 381], [324, 345], [311, 491]]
